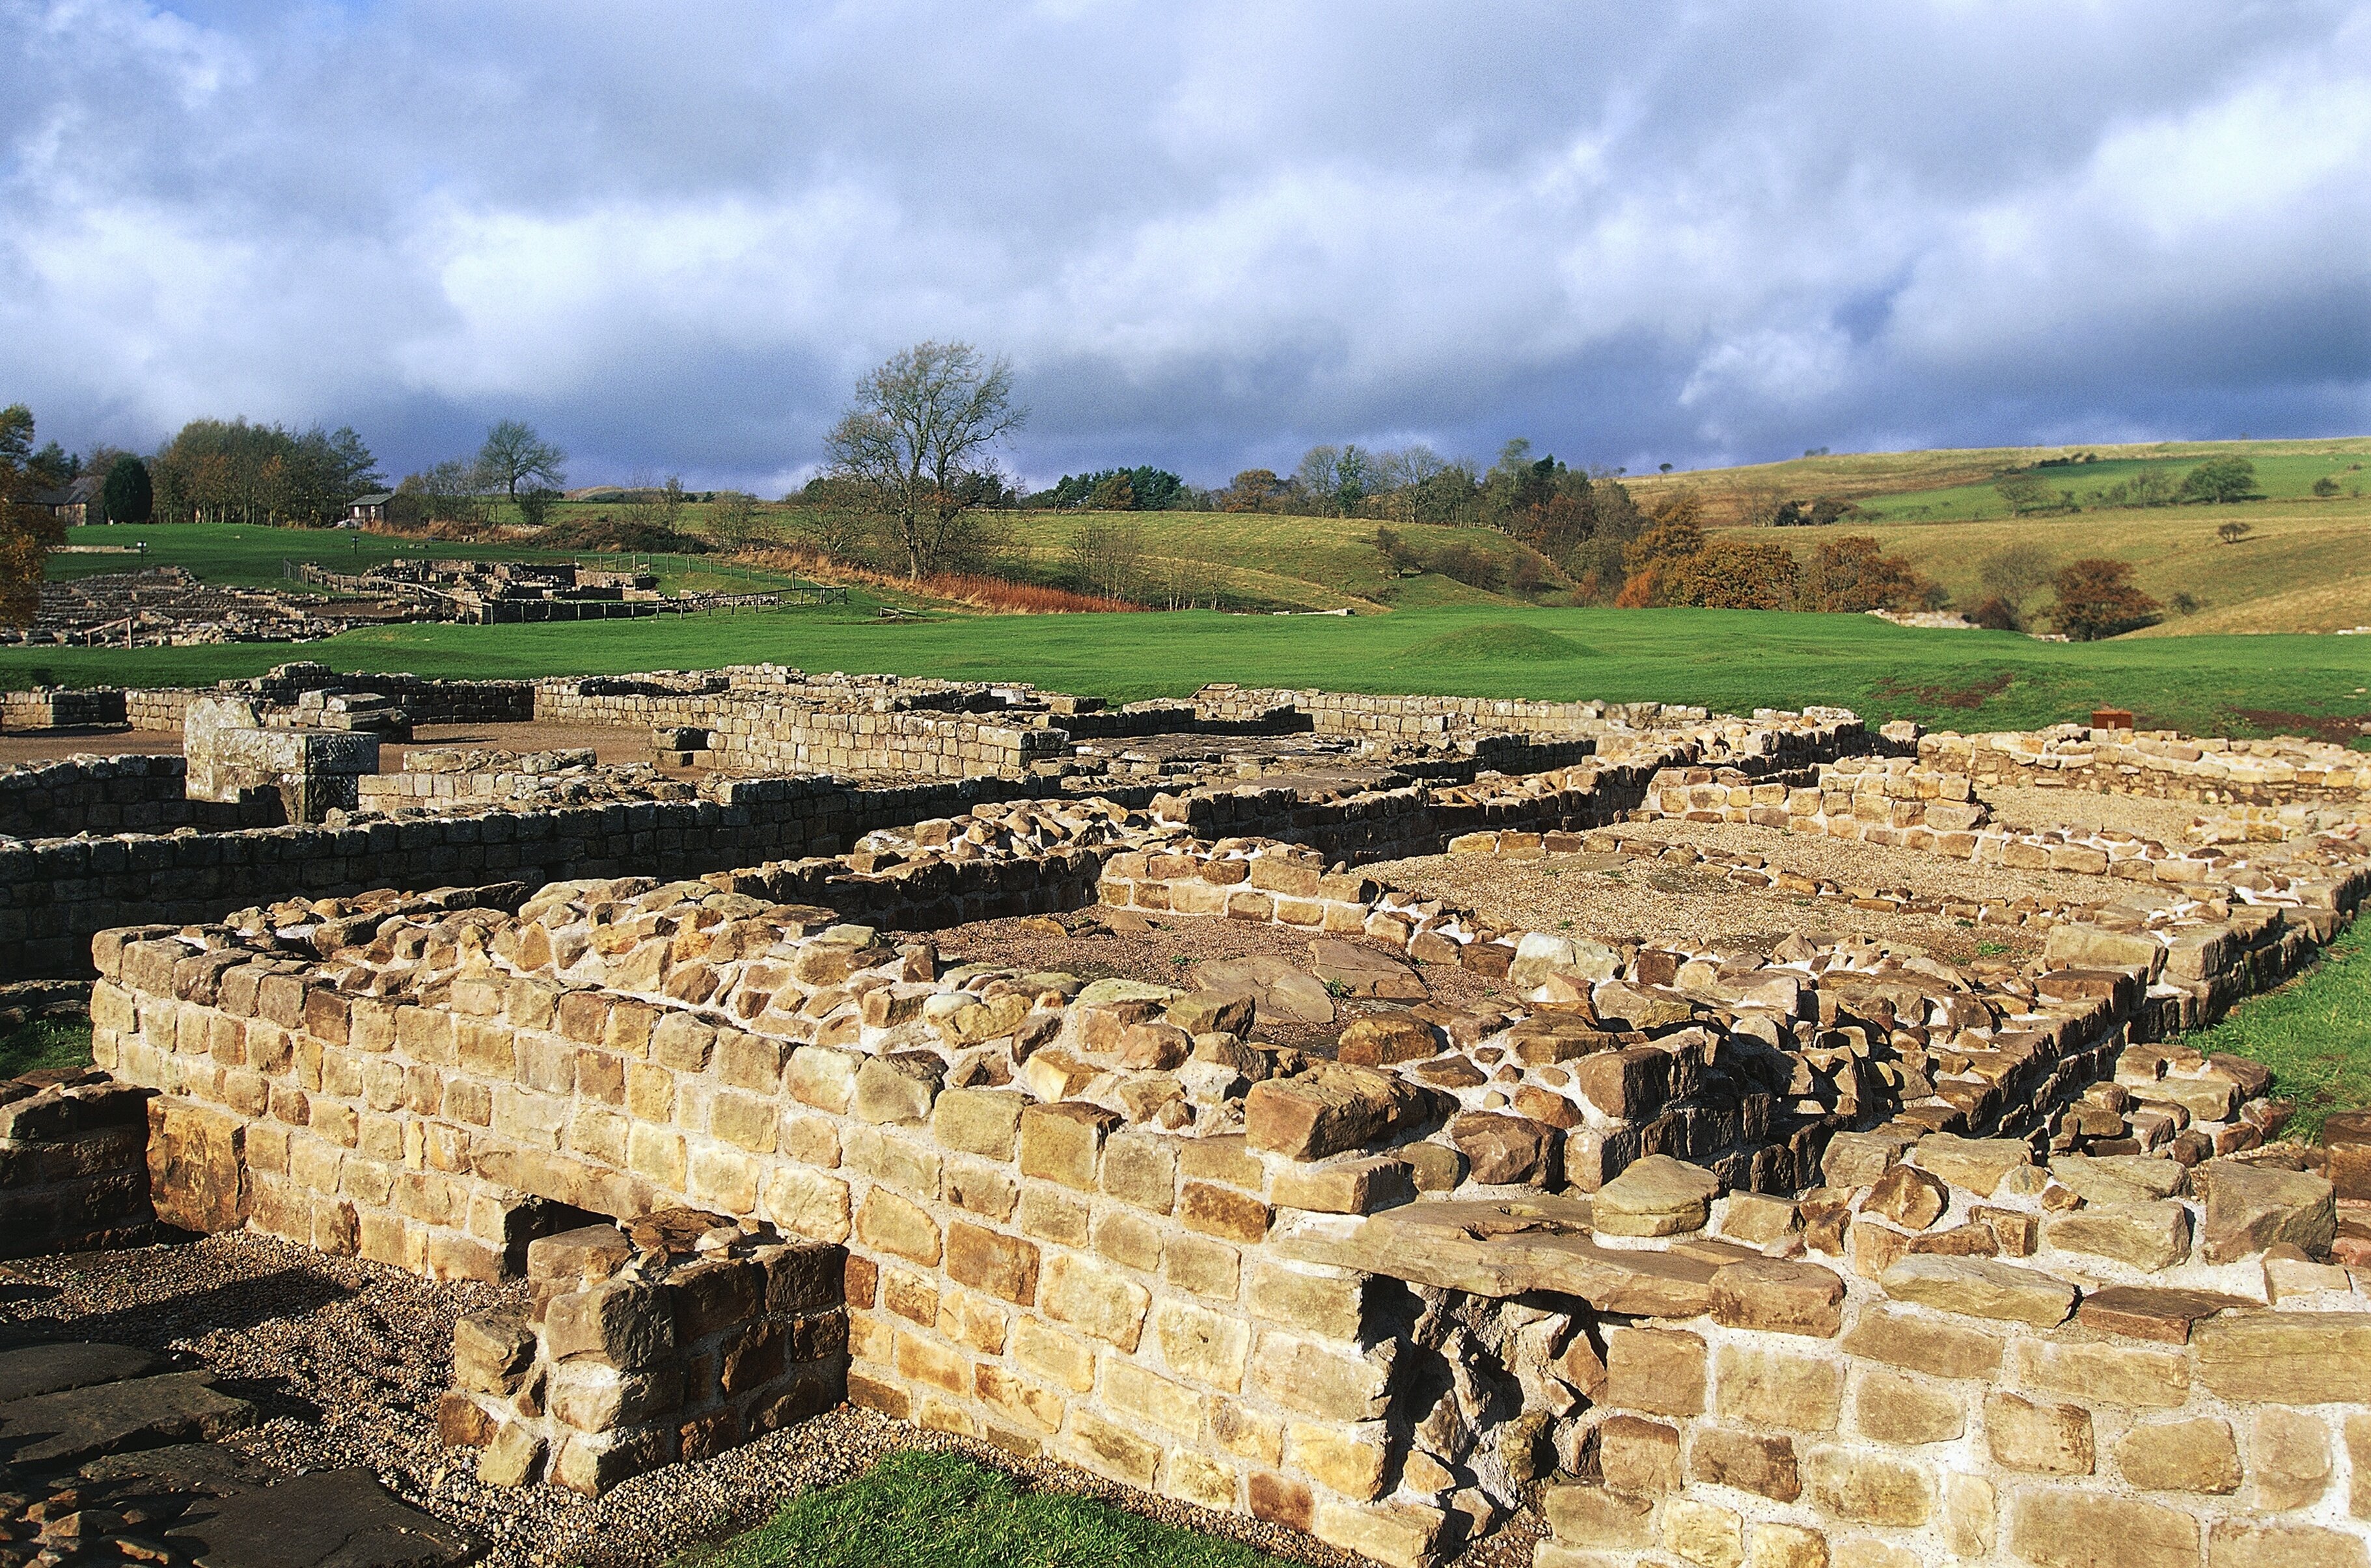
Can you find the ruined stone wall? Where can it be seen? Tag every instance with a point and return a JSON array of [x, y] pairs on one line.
[[131, 794], [56, 893], [1362, 1296], [73, 1170], [754, 734], [58, 707], [2160, 765], [427, 701]]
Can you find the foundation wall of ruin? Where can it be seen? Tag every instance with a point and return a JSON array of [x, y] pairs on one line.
[[751, 734], [2160, 765], [131, 793], [426, 701], [55, 707], [55, 894], [1364, 1314], [73, 1169]]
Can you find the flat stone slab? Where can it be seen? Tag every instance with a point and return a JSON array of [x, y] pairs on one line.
[[1277, 989], [327, 1520], [1509, 1247], [196, 1468], [142, 1413], [1362, 971], [31, 1370]]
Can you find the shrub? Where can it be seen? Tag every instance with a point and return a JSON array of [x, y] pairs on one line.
[[2096, 599], [1997, 614]]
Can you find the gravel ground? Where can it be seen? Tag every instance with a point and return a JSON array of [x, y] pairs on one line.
[[2022, 807], [47, 747], [610, 744], [1154, 956], [346, 1360], [1629, 897]]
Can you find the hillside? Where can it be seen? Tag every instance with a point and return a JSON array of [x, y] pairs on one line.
[[1957, 483]]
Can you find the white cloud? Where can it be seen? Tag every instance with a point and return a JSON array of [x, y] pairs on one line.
[[1208, 234]]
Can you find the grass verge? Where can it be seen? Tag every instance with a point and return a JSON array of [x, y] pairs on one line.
[[925, 1510], [2314, 1033], [44, 1042]]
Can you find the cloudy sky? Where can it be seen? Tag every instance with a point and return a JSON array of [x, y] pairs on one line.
[[1207, 235]]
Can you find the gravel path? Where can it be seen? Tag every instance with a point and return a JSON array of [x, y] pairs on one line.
[[346, 1360]]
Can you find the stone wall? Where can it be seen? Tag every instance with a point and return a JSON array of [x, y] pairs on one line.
[[234, 760], [59, 707], [1375, 1296], [749, 733], [56, 893], [74, 1172], [131, 793], [427, 701], [2161, 764], [677, 1337]]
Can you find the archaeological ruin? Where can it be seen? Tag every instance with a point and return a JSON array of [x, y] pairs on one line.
[[1702, 1140]]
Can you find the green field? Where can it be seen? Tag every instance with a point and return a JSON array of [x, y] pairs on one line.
[[1734, 660]]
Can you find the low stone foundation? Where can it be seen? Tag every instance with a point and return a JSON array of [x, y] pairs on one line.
[[685, 1338], [73, 1169]]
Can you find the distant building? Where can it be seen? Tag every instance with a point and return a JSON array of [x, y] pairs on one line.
[[371, 508], [63, 505]]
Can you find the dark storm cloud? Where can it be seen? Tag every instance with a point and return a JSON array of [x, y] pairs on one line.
[[1207, 236]]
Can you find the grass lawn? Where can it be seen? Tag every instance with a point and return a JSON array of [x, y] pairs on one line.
[[2314, 1033], [925, 1510], [1731, 660], [45, 1042]]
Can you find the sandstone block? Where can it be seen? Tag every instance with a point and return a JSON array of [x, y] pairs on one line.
[[1349, 1460], [1704, 1533], [1774, 1388], [1932, 1347], [1333, 1108], [2245, 1543], [1976, 1163], [1329, 1302], [624, 1323], [2181, 1456], [1656, 1196], [2045, 1439], [1382, 1038], [1779, 1297], [1909, 1197], [2252, 1207], [1506, 1150], [1979, 1288], [2149, 1237], [1062, 1143], [1893, 1408], [1655, 1370], [1869, 1488], [1322, 1380], [2287, 1358], [2103, 1373], [2065, 1528], [890, 1224], [1095, 1300], [1003, 1266], [1785, 1546], [1751, 1461], [1586, 1515], [978, 1121], [1343, 1187], [2288, 1458], [1638, 1458], [1202, 1344], [808, 1202]]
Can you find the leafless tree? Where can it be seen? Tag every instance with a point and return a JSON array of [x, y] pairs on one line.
[[514, 451], [1105, 557], [919, 429]]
